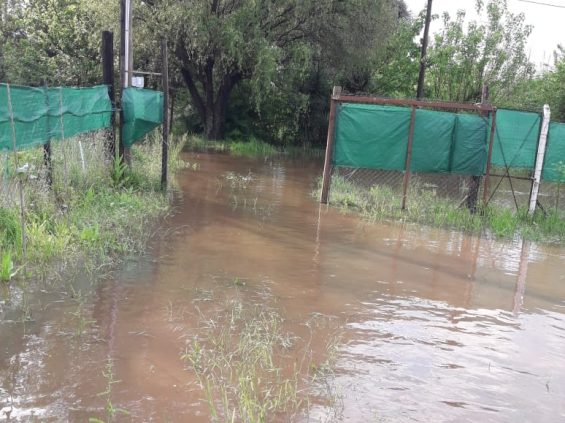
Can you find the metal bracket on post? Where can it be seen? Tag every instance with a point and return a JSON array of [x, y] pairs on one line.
[[539, 160], [326, 180]]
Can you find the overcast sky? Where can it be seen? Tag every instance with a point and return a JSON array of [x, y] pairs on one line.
[[548, 22]]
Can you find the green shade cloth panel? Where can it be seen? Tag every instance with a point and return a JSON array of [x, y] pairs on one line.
[[43, 114], [371, 137], [516, 139], [376, 137], [554, 164], [470, 149], [143, 111]]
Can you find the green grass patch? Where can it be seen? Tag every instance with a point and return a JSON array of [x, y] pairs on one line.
[[92, 214], [383, 203]]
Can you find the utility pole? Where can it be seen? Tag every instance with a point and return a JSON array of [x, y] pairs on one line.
[[423, 58], [126, 64], [165, 146]]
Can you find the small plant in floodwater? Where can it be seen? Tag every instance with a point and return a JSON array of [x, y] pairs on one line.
[[79, 313], [247, 367], [111, 410], [238, 282]]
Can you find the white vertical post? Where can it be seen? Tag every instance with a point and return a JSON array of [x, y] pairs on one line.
[[128, 53], [539, 159]]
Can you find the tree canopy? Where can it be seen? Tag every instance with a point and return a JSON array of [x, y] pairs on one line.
[[266, 67]]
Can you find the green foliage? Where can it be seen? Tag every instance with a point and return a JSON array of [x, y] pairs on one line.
[[6, 266], [93, 217], [51, 41], [548, 87], [464, 56], [10, 230]]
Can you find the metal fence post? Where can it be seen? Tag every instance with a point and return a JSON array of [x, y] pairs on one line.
[[408, 157]]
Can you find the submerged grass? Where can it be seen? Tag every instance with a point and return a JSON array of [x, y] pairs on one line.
[[251, 369], [383, 203], [89, 214]]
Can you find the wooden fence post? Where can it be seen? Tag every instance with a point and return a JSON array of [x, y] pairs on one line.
[[326, 179], [539, 160], [408, 158], [165, 146]]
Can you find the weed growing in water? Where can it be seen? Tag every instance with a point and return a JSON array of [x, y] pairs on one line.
[[111, 410], [250, 368]]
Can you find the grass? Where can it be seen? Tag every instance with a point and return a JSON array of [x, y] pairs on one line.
[[111, 410], [382, 203], [251, 147], [251, 369], [90, 216]]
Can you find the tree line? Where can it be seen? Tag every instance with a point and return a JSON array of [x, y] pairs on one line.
[[266, 67]]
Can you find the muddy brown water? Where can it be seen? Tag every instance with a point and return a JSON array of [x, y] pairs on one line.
[[437, 325]]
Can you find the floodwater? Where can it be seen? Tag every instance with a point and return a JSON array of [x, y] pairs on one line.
[[436, 326]]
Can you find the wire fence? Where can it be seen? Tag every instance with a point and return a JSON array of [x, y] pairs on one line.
[[465, 155], [511, 193]]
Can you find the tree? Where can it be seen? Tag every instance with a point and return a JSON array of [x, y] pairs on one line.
[[51, 41], [547, 87], [267, 43], [462, 59]]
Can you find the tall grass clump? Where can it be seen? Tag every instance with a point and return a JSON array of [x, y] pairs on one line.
[[424, 206], [251, 369], [93, 211]]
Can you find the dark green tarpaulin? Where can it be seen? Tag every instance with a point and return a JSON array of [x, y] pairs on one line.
[[143, 111], [554, 164], [37, 113], [516, 139], [376, 137]]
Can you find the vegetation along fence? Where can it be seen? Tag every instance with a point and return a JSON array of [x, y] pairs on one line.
[[32, 117], [407, 152]]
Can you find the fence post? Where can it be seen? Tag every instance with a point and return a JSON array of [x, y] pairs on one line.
[[475, 180], [539, 160], [165, 146], [489, 158], [108, 79], [47, 146], [408, 157], [326, 180]]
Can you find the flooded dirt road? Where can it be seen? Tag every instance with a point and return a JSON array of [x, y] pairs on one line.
[[435, 325]]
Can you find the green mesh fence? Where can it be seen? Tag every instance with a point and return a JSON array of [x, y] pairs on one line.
[[143, 111], [42, 114], [554, 164], [376, 137]]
